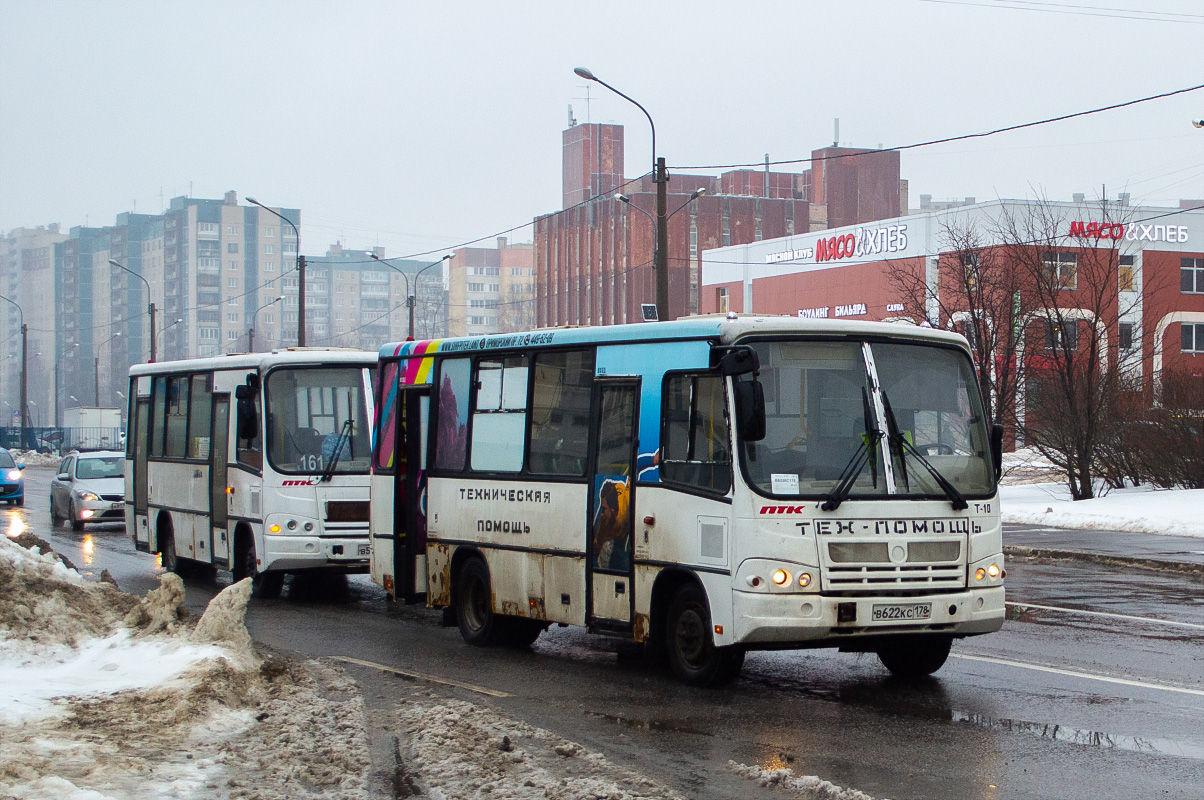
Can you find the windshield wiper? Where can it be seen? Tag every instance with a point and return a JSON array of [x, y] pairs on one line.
[[344, 435], [864, 453], [897, 438]]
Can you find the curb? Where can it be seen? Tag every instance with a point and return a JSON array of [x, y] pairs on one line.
[[1157, 564]]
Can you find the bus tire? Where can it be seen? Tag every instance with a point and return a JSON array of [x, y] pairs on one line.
[[522, 632], [267, 585], [264, 585], [915, 656], [691, 649], [167, 551], [474, 606]]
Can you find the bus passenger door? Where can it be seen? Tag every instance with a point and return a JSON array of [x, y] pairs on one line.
[[219, 500], [142, 410], [610, 526], [409, 494]]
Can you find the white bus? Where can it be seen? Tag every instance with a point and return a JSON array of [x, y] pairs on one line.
[[710, 485], [256, 463]]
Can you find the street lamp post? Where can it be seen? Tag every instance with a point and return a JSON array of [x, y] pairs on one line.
[[150, 307], [300, 271], [410, 299], [622, 198], [96, 394], [251, 330], [24, 370], [660, 177]]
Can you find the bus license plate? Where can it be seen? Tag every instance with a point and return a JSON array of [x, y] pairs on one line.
[[901, 612], [365, 549]]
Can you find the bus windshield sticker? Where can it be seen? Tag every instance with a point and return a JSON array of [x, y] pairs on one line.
[[784, 484]]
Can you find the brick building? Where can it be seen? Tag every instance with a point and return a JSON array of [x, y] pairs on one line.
[[594, 262], [1151, 318]]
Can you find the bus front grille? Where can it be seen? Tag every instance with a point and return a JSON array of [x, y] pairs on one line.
[[894, 566]]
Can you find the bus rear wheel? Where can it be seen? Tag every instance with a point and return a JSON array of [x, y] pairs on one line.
[[474, 606], [691, 650], [915, 656]]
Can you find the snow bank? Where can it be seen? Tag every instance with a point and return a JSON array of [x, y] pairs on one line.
[[106, 697], [1142, 509], [457, 749], [809, 787]]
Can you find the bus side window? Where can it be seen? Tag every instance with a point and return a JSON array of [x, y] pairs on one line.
[[199, 415], [499, 419], [250, 450], [451, 437], [388, 398], [560, 409], [177, 416], [696, 447], [158, 414]]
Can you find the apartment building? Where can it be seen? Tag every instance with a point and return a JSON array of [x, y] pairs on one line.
[[491, 290]]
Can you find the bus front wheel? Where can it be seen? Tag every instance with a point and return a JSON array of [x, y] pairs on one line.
[[915, 656], [264, 585], [474, 608], [691, 650]]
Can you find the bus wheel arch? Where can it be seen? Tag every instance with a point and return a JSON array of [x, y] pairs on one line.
[[681, 611], [165, 541], [242, 557]]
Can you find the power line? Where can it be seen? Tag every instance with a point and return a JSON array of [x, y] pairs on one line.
[[1080, 11], [961, 137]]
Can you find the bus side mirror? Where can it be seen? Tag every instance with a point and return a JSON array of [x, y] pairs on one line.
[[750, 410], [739, 361], [247, 422], [997, 450]]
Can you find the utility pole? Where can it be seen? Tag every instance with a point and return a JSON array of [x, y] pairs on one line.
[[661, 178], [300, 295], [24, 385]]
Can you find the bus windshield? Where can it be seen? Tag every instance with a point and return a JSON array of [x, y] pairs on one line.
[[823, 420], [314, 413]]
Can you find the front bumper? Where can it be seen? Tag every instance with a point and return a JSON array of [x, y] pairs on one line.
[[12, 491], [780, 620], [300, 552]]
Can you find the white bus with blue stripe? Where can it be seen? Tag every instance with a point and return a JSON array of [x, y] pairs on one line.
[[710, 485]]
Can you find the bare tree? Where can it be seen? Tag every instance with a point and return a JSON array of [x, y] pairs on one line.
[[976, 291], [1075, 308]]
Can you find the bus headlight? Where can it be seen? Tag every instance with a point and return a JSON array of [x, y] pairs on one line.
[[291, 525], [979, 574], [780, 577], [804, 580], [274, 529], [993, 571]]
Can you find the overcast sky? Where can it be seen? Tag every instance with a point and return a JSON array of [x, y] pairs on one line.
[[420, 126]]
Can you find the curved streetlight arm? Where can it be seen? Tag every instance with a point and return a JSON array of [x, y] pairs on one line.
[[622, 198], [150, 305], [393, 267], [589, 76], [300, 270], [697, 194]]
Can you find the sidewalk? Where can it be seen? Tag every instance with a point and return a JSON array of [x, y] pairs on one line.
[[1137, 527], [1121, 548]]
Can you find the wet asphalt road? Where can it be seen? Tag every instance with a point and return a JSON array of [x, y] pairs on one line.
[[1094, 688]]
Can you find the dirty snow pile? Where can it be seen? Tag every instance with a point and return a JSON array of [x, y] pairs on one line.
[[103, 695], [808, 787], [455, 749]]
